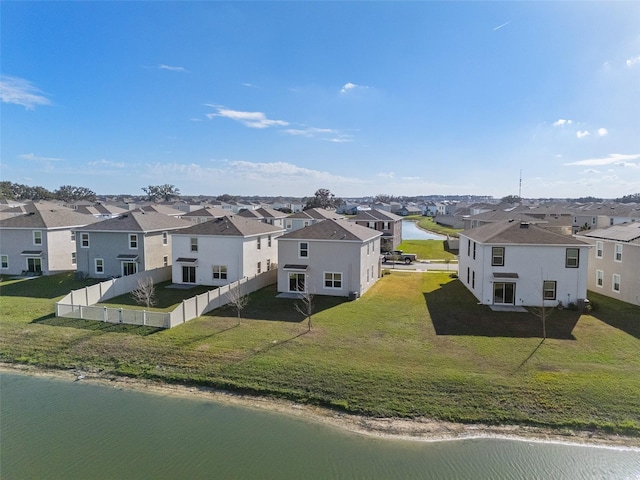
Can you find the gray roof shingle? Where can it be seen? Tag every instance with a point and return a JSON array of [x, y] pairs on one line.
[[333, 229], [516, 232], [231, 225]]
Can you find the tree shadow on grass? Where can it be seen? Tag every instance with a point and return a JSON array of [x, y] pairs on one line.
[[264, 305], [96, 326], [455, 311], [46, 286]]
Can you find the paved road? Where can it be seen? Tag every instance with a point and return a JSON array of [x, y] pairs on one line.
[[421, 266]]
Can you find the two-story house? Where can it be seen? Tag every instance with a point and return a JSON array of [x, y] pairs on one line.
[[332, 257], [614, 261], [133, 242], [223, 250], [309, 217], [517, 263], [40, 241], [389, 224]]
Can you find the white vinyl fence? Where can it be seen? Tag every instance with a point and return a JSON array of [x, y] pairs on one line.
[[81, 303]]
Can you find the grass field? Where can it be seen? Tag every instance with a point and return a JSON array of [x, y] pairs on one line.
[[427, 223], [427, 249], [413, 345]]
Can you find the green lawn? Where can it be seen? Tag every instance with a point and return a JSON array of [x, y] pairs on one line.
[[413, 345], [427, 223], [427, 249]]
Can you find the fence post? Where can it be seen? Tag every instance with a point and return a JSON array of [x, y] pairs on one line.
[[105, 315], [120, 315], [86, 295], [184, 311], [80, 311], [144, 317]]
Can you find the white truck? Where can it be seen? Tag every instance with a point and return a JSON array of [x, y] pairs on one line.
[[399, 256]]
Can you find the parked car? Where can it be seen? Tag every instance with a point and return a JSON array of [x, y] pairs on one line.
[[399, 256]]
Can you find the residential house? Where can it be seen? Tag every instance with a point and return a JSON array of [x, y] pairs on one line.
[[136, 241], [100, 210], [223, 251], [389, 224], [205, 214], [265, 215], [309, 217], [332, 257], [518, 263], [41, 240], [614, 261]]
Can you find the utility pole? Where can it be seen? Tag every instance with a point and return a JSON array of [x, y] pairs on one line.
[[520, 185]]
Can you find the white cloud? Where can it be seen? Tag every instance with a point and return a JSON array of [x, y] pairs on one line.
[[612, 159], [591, 170], [386, 175], [172, 69], [561, 122], [38, 158], [501, 26], [21, 92], [603, 132], [347, 87], [582, 133], [249, 119], [328, 134], [106, 163], [633, 61]]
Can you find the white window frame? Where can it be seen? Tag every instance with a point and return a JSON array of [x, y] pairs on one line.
[[165, 260], [617, 253], [599, 278], [549, 289], [133, 241], [269, 240], [193, 242], [497, 253], [615, 283], [73, 235], [259, 243], [333, 280], [84, 240], [165, 238], [37, 237], [219, 272], [98, 266], [599, 249], [74, 258], [4, 262], [259, 267], [268, 264], [569, 260], [302, 249]]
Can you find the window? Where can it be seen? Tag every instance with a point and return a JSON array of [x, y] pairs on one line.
[[599, 249], [611, 222], [497, 256], [84, 240], [133, 241], [165, 238], [73, 235], [74, 260], [385, 226], [599, 278], [34, 264], [368, 247], [297, 282], [269, 241], [617, 253], [259, 243], [549, 290], [468, 275], [268, 264], [474, 250], [593, 220], [259, 267], [303, 249], [616, 283], [473, 279], [468, 248], [371, 225], [165, 261], [572, 259], [37, 237], [4, 261], [334, 279], [219, 272], [194, 244], [99, 265], [288, 225]]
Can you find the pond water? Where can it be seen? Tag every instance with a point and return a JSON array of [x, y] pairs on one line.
[[411, 232], [57, 429]]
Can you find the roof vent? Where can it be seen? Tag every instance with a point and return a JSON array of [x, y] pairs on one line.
[[524, 225]]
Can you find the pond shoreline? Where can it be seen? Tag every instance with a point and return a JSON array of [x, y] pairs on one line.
[[415, 429]]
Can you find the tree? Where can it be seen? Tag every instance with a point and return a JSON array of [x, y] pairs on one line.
[[633, 198], [69, 193], [323, 198], [511, 199], [305, 307], [145, 292], [159, 193], [237, 300], [384, 198], [225, 197]]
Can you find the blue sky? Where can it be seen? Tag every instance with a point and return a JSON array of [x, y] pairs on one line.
[[362, 98]]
